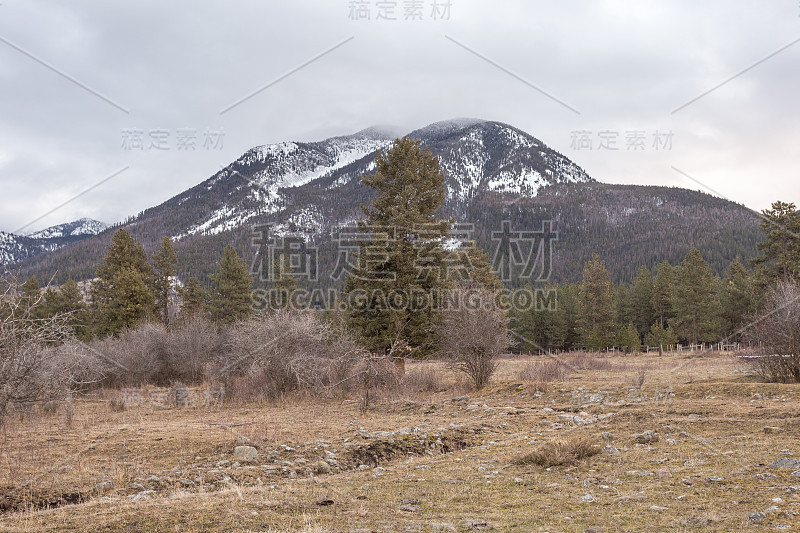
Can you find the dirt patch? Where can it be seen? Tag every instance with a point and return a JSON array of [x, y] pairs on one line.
[[12, 500], [384, 450]]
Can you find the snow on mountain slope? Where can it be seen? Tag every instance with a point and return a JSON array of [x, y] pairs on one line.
[[272, 182], [83, 226], [264, 170], [15, 248]]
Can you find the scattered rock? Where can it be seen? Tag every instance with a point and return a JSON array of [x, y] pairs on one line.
[[245, 454], [766, 475], [694, 416], [588, 498], [658, 508], [104, 486], [715, 479], [771, 430], [409, 508], [145, 494], [785, 462], [610, 449], [757, 518], [608, 436], [648, 437], [796, 473], [671, 442], [321, 467], [460, 399], [410, 501]]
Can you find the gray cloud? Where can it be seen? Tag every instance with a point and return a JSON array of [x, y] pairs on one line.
[[624, 65]]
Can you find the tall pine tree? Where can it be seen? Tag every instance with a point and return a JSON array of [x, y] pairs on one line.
[[122, 295], [642, 312], [693, 299], [165, 265], [596, 296], [230, 298], [408, 258], [663, 287]]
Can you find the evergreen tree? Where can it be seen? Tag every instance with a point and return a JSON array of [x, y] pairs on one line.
[[408, 259], [660, 336], [597, 305], [693, 300], [737, 299], [567, 317], [642, 311], [628, 339], [480, 270], [230, 298], [31, 296], [282, 285], [537, 329], [165, 265], [194, 298], [623, 304], [663, 286], [781, 244], [68, 299], [122, 295]]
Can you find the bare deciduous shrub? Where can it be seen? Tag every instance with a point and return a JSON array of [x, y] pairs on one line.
[[29, 374], [280, 352], [776, 331], [539, 374], [474, 335], [150, 353], [565, 451], [639, 377], [586, 361], [368, 371], [422, 379]]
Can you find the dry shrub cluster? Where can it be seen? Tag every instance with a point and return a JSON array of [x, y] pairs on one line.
[[474, 336], [151, 354], [281, 352], [540, 373], [564, 451], [31, 372], [422, 379], [587, 361], [776, 331]]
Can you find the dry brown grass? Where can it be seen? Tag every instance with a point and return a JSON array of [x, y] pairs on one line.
[[462, 469], [564, 451]]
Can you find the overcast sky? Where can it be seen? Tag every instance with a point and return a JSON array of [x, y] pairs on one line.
[[83, 83]]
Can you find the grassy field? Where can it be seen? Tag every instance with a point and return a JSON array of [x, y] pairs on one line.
[[445, 460]]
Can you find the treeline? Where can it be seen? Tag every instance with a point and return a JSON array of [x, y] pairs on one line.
[[130, 288], [682, 303]]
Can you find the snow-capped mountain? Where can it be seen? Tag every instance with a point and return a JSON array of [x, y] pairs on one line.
[[475, 156], [494, 173], [15, 248], [77, 228]]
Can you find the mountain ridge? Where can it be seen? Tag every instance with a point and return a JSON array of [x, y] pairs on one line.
[[492, 170]]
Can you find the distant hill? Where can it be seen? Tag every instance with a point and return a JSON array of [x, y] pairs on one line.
[[493, 171], [15, 248]]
